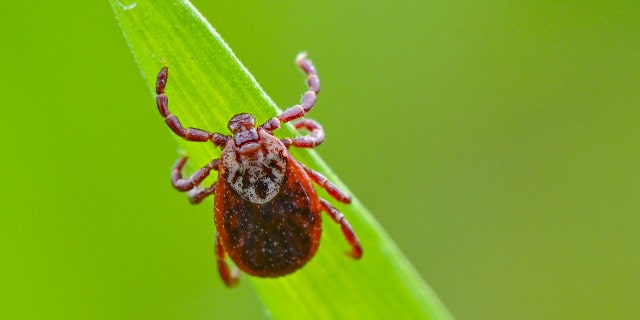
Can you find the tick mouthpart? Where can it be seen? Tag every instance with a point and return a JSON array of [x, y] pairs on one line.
[[247, 140], [241, 122]]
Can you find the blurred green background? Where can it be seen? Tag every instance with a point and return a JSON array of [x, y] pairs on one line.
[[497, 142]]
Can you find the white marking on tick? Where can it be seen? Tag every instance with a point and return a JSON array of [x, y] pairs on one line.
[[258, 176]]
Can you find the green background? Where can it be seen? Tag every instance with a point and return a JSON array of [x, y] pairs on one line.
[[497, 142]]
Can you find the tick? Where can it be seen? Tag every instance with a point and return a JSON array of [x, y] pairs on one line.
[[266, 210]]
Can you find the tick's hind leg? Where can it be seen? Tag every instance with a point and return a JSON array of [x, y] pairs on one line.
[[229, 278], [347, 231], [188, 184], [331, 188]]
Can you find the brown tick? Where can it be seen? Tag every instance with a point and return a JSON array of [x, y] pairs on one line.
[[266, 210]]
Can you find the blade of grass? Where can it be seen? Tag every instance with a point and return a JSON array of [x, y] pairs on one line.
[[207, 85]]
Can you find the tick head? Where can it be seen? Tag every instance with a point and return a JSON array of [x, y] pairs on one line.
[[245, 135]]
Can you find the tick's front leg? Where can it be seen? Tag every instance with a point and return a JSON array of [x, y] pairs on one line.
[[308, 99], [312, 140], [189, 134]]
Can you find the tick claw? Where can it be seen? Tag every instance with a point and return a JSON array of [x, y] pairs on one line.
[[356, 253]]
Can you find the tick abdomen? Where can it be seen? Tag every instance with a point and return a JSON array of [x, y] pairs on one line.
[[274, 238]]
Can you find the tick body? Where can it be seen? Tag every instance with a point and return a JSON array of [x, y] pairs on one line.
[[266, 210]]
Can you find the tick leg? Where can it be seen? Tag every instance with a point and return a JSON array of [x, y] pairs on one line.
[[312, 140], [196, 195], [189, 134], [308, 99], [347, 231], [331, 188], [187, 184], [229, 278]]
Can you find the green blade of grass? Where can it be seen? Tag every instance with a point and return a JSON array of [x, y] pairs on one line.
[[207, 85]]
